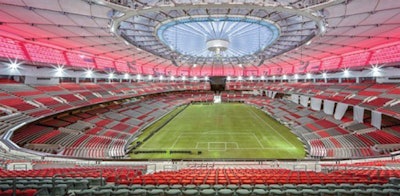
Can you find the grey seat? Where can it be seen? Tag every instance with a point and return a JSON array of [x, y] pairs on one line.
[[331, 186], [103, 192], [87, 192], [81, 184], [207, 192], [274, 187], [310, 192], [190, 192], [138, 192], [120, 192], [326, 192], [96, 181], [273, 192], [176, 186], [246, 186], [344, 192], [173, 192], [136, 186], [288, 186], [149, 187], [243, 192], [155, 192], [121, 186], [360, 192], [233, 187], [318, 186], [190, 186], [60, 189], [218, 187], [260, 192], [225, 192], [204, 186], [260, 186], [163, 186], [290, 192]]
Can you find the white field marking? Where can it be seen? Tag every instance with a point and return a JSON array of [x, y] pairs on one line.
[[288, 142], [259, 142], [176, 141], [254, 114], [216, 149]]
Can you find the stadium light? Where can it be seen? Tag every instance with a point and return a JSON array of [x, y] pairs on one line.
[[251, 77], [228, 78], [346, 72], [308, 75], [205, 77], [126, 76], [138, 77], [195, 78], [284, 76], [172, 78], [324, 74], [296, 76], [14, 65], [375, 68], [89, 72], [111, 75], [240, 65], [183, 78], [161, 77], [240, 78], [194, 65], [262, 77], [150, 77], [59, 70]]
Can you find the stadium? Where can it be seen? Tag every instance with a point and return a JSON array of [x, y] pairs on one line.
[[199, 97]]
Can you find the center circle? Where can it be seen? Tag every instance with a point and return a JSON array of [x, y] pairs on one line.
[[226, 36]]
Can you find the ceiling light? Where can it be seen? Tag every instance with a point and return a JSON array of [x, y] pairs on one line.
[[161, 77], [195, 78], [375, 68], [14, 65], [111, 75], [206, 78], [324, 74], [194, 65], [251, 77], [183, 78], [150, 77], [285, 77], [296, 76], [126, 75], [240, 78], [308, 75], [172, 78], [346, 72], [89, 72], [262, 77], [59, 70], [228, 78], [240, 65], [138, 76]]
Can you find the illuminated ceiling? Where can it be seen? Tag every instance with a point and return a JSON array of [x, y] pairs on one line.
[[94, 27]]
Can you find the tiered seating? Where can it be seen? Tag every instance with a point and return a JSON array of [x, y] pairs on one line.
[[11, 49], [268, 177], [39, 53]]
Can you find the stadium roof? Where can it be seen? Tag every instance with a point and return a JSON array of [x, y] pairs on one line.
[[213, 37]]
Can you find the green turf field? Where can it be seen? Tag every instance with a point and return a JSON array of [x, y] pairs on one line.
[[221, 131]]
